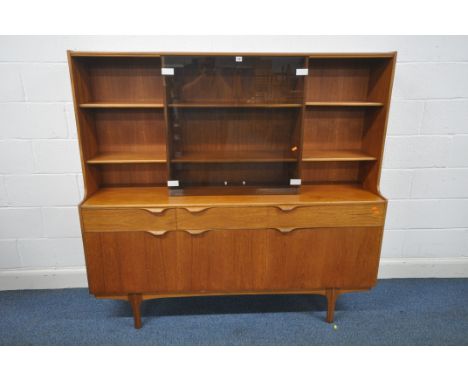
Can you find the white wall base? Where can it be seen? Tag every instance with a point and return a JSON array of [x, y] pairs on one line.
[[399, 268], [46, 278], [56, 278]]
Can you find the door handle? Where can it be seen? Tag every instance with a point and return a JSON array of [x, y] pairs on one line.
[[286, 229], [156, 211], [196, 210], [286, 207], [195, 232], [157, 233]]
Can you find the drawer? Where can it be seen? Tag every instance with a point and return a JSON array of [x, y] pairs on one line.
[[128, 219], [281, 216]]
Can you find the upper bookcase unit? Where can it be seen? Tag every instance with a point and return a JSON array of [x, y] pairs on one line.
[[224, 123]]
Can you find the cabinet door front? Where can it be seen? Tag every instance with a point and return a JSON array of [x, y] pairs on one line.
[[131, 262], [271, 260]]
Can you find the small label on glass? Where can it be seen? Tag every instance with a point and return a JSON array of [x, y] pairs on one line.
[[302, 72], [294, 182], [238, 58], [172, 183], [167, 71]]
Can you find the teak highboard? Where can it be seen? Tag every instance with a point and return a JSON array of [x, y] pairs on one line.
[[231, 173]]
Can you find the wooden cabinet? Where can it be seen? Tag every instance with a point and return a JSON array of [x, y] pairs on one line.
[[212, 174]]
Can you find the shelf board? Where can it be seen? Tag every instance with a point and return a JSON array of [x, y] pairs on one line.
[[121, 105], [114, 54], [351, 55], [126, 157], [234, 157], [347, 104], [234, 190], [158, 197], [335, 156], [235, 105]]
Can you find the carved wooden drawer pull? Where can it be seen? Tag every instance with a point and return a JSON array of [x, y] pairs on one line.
[[156, 211], [285, 230], [157, 233], [195, 232], [286, 208], [195, 210]]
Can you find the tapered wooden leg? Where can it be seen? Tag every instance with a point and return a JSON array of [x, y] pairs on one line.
[[135, 302], [331, 301]]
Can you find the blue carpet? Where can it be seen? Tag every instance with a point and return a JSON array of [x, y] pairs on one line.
[[396, 312]]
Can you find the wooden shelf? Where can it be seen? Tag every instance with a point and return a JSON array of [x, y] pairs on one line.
[[136, 157], [236, 105], [347, 104], [115, 54], [336, 156], [234, 157], [121, 105], [158, 197]]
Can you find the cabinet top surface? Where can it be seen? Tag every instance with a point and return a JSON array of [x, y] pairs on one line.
[[158, 196], [301, 54]]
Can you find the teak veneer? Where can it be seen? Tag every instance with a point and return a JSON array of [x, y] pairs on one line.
[[231, 173]]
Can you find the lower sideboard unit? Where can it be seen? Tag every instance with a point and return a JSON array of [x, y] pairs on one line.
[[140, 253]]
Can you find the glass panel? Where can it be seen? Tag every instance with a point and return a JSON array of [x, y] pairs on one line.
[[223, 80], [234, 122]]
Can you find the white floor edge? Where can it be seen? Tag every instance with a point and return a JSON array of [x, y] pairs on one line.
[[57, 278]]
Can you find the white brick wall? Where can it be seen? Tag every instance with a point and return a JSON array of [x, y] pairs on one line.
[[425, 164]]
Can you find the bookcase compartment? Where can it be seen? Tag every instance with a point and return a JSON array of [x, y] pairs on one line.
[[338, 132], [231, 134], [131, 175], [126, 135], [107, 80], [234, 175], [358, 80], [336, 172]]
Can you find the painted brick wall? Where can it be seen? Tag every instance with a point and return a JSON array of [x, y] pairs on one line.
[[425, 168]]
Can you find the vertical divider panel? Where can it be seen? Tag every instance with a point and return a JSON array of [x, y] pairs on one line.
[[166, 120], [302, 119]]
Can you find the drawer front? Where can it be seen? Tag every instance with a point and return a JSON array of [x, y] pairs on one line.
[[358, 215], [128, 219]]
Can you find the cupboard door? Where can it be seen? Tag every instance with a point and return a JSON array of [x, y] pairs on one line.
[[317, 258], [271, 260], [133, 262]]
